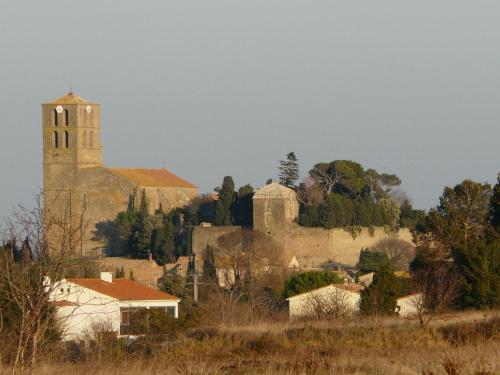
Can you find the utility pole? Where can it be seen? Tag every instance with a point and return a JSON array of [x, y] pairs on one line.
[[195, 287]]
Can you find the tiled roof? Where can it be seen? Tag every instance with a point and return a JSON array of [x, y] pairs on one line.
[[152, 177], [124, 290], [274, 190], [69, 98]]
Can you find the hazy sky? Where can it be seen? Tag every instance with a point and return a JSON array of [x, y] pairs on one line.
[[215, 88]]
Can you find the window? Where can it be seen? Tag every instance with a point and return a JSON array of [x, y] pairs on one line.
[[56, 139], [171, 311], [66, 117], [84, 139], [55, 118], [66, 139], [125, 317], [91, 139]]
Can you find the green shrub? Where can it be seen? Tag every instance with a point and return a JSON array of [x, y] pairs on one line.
[[306, 281]]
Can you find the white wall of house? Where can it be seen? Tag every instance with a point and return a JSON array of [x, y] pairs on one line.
[[92, 309], [302, 304], [409, 306]]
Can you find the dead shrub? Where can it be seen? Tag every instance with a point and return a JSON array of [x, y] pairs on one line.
[[469, 333]]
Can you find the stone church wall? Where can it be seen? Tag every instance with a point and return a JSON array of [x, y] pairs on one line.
[[169, 197]]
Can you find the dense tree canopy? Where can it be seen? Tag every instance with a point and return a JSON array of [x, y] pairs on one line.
[[460, 220], [342, 193], [372, 261], [461, 230]]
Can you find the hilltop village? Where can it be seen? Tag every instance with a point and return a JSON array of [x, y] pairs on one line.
[[121, 257], [77, 182]]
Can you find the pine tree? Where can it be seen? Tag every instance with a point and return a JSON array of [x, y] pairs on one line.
[[226, 199], [480, 268], [289, 171]]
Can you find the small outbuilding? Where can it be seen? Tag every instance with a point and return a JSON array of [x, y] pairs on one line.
[[83, 304], [409, 306], [338, 300]]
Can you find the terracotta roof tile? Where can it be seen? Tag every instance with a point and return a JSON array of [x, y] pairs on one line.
[[124, 290], [152, 177]]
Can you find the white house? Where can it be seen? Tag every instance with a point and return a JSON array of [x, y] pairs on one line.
[[84, 303], [333, 299], [409, 306]]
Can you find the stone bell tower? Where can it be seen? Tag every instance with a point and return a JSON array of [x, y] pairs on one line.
[[71, 141]]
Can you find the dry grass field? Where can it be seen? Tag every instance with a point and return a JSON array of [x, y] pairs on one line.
[[462, 343]]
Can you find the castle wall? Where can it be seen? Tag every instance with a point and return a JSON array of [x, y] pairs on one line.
[[315, 246], [203, 236]]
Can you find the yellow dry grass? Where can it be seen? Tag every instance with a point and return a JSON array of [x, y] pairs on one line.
[[465, 343]]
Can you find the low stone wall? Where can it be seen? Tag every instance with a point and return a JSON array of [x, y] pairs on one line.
[[145, 272]]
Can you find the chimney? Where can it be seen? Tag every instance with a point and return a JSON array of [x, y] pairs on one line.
[[150, 255], [107, 276]]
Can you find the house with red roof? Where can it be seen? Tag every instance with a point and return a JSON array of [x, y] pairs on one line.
[[105, 303]]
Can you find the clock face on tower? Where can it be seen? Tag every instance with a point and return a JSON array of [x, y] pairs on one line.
[[59, 109], [89, 109]]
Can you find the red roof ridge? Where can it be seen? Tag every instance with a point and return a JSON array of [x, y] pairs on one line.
[[124, 289], [152, 177]]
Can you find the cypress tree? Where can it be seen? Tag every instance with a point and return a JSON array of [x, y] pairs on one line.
[[226, 199], [140, 239]]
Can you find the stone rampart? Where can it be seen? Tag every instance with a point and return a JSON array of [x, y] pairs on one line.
[[203, 236], [313, 247]]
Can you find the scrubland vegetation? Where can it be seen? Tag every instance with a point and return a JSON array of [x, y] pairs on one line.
[[464, 343]]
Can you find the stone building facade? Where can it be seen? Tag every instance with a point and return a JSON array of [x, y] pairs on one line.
[[77, 185], [275, 212]]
